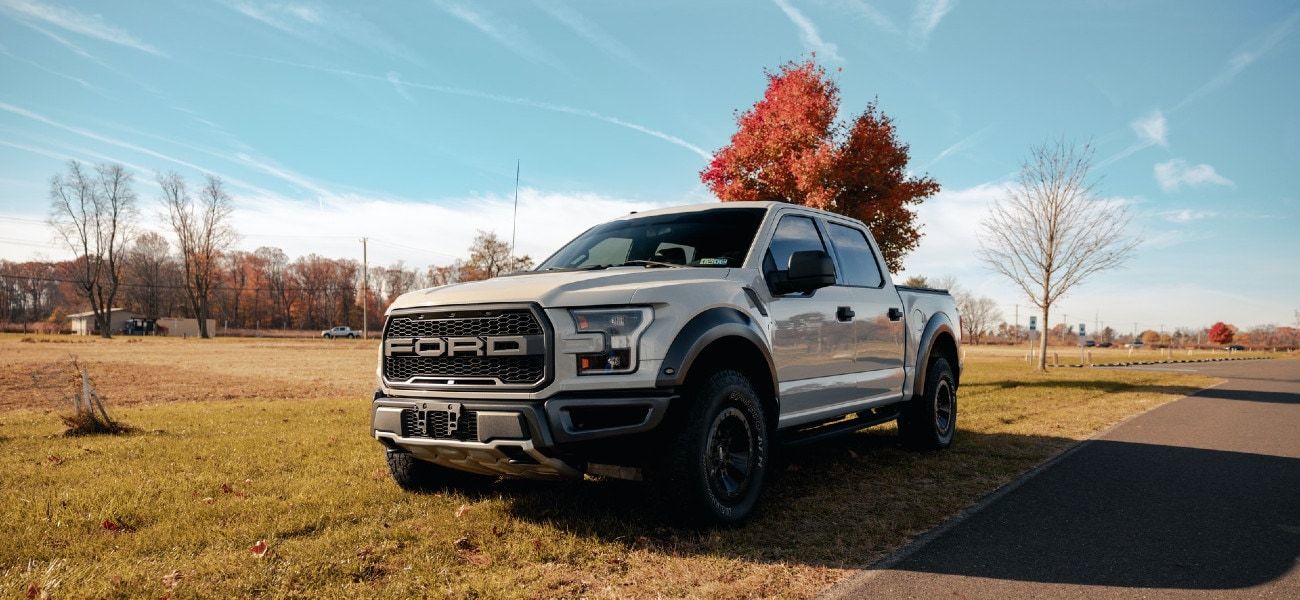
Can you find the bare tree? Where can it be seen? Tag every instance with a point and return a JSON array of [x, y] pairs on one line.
[[202, 231], [1051, 232], [490, 257], [977, 315], [151, 272], [94, 214]]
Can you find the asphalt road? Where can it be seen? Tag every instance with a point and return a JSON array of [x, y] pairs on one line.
[[1197, 498]]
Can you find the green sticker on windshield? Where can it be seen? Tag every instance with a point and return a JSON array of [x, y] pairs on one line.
[[713, 261]]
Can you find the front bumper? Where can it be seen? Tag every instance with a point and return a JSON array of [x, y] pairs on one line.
[[536, 440]]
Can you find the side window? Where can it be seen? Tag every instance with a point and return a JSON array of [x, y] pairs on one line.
[[858, 264], [793, 234]]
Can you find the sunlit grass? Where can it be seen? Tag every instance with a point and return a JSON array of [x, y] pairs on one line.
[[202, 481]]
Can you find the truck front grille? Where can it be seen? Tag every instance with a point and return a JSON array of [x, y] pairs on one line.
[[459, 368]]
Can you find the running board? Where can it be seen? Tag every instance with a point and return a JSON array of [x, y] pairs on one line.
[[862, 420]]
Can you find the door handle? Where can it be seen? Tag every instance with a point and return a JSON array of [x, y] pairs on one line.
[[845, 313], [895, 314]]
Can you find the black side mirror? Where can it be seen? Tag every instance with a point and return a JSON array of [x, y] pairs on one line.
[[809, 270]]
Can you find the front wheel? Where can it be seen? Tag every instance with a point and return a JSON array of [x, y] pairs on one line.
[[929, 420], [328, 336], [718, 457], [415, 475]]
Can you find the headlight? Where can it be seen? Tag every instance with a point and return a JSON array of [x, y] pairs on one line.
[[621, 329]]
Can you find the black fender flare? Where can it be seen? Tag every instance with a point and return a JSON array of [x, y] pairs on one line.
[[939, 323], [703, 329]]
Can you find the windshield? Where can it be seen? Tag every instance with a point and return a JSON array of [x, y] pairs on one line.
[[717, 237]]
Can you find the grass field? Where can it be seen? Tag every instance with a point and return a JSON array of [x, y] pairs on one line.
[[238, 441]]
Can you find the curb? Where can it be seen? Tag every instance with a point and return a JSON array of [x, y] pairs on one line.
[[853, 586], [1162, 362]]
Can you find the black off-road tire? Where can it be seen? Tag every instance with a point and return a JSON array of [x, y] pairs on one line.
[[929, 420], [415, 475], [718, 455]]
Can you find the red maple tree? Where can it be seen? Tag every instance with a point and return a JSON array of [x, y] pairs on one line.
[[1221, 333], [789, 147]]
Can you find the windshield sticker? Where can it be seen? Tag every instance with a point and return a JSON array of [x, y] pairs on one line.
[[713, 261]]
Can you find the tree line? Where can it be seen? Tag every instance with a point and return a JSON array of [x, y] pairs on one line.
[[195, 272]]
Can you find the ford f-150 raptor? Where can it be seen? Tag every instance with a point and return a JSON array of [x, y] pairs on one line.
[[676, 346]]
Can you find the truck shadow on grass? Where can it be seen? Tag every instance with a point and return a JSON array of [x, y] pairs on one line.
[[1114, 387], [1113, 513]]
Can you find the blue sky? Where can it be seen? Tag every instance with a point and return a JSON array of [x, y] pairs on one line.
[[402, 121]]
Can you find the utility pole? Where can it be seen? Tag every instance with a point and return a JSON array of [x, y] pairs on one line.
[[365, 290], [514, 220], [1015, 331], [1066, 323]]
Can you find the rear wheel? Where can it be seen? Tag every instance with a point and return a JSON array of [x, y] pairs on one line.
[[718, 458], [929, 420], [415, 475]]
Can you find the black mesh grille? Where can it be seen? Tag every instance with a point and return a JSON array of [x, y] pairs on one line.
[[520, 322], [509, 369], [436, 425], [466, 370]]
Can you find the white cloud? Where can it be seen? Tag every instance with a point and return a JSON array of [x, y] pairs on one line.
[[88, 134], [76, 22], [323, 26], [506, 34], [1177, 173], [590, 31], [1186, 215], [950, 221], [871, 14], [401, 228], [1152, 129], [560, 108], [926, 18], [960, 146], [395, 78], [812, 40], [1244, 57]]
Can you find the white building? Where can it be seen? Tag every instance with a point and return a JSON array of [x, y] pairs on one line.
[[84, 323]]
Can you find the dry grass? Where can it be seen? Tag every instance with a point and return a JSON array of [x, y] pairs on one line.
[[178, 506]]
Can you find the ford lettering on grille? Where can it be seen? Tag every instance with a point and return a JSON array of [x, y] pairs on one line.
[[466, 348]]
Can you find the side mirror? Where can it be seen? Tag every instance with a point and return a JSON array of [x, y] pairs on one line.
[[809, 270]]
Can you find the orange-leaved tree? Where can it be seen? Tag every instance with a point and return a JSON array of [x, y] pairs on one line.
[[789, 147], [1221, 333]]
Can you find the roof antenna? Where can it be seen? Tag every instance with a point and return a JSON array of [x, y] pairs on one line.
[[514, 220]]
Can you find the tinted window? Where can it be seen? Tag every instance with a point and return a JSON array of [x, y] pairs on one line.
[[857, 263], [718, 237], [793, 234]]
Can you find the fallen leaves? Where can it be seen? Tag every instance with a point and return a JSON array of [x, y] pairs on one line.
[[259, 549], [115, 526], [469, 552], [171, 580]]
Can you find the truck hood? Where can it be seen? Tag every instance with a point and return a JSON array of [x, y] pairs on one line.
[[612, 286]]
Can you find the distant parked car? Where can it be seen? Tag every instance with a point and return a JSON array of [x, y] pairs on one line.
[[341, 331], [1090, 344], [1134, 344], [1235, 348], [1105, 345]]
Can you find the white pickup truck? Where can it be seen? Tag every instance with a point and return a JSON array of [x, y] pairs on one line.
[[675, 346]]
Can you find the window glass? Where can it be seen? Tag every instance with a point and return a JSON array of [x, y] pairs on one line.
[[793, 234], [609, 251], [858, 264], [715, 238]]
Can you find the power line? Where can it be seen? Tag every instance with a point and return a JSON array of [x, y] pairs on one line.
[[178, 287]]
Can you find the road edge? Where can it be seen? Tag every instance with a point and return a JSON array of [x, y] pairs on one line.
[[851, 587]]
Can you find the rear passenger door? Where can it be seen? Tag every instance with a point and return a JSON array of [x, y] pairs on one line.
[[878, 322]]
